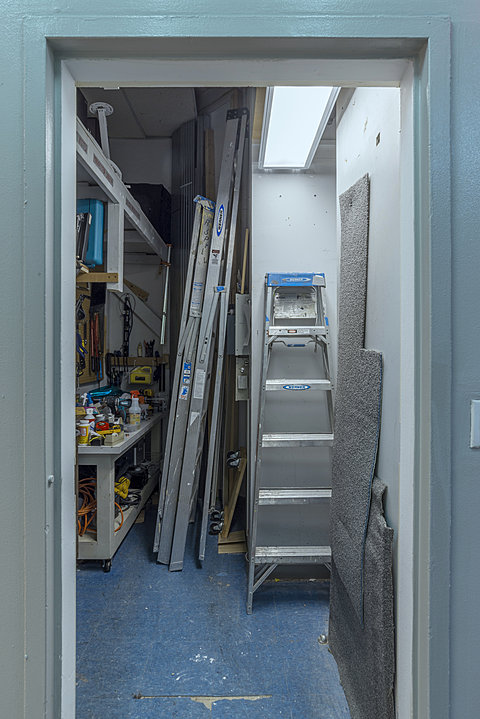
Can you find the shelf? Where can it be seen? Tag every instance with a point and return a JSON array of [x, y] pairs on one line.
[[131, 438], [86, 277], [98, 167], [136, 361], [88, 542]]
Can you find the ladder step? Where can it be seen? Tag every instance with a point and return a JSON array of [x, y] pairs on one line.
[[300, 331], [293, 496], [296, 439], [298, 384], [292, 555]]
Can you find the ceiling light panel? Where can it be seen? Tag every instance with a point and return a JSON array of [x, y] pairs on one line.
[[295, 119]]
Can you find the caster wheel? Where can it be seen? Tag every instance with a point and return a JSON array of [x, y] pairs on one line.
[[216, 528], [216, 515], [107, 565], [234, 454], [233, 463]]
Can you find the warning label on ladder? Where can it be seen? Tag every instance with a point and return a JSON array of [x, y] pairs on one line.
[[199, 386]]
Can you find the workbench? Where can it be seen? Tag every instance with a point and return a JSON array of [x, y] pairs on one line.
[[103, 545]]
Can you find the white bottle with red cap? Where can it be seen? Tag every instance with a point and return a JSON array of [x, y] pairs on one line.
[[134, 411]]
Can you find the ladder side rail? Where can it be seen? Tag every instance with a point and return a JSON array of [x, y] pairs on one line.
[[205, 352], [221, 439], [326, 358], [183, 322], [170, 429], [252, 535], [189, 474], [203, 429], [213, 440], [223, 331], [185, 338], [165, 297], [175, 458], [185, 477], [176, 434]]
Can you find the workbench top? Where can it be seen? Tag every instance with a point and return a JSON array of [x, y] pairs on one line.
[[130, 439]]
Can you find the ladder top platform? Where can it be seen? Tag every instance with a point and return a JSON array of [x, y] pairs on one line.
[[295, 279]]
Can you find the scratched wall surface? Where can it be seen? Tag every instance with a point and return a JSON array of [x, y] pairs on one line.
[[27, 451]]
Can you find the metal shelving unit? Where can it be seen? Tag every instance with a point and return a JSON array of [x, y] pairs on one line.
[[122, 210], [121, 206], [103, 544]]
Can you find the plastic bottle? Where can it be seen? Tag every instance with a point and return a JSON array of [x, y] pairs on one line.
[[89, 415], [134, 411]]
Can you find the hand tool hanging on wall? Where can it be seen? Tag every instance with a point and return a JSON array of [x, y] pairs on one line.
[[81, 354], [127, 312], [97, 326]]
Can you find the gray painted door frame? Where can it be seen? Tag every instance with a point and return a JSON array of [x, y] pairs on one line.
[[48, 276]]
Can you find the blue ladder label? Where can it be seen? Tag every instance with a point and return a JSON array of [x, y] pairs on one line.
[[296, 387], [187, 372], [295, 279]]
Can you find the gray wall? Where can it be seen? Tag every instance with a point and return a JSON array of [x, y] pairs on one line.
[[25, 270], [146, 160]]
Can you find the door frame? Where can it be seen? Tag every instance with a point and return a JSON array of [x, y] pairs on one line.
[[342, 42]]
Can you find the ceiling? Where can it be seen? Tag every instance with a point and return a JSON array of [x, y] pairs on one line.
[[152, 112]]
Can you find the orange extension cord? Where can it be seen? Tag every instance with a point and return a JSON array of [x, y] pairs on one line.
[[88, 508]]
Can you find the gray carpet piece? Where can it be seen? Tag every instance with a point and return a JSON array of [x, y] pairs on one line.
[[358, 401], [366, 655]]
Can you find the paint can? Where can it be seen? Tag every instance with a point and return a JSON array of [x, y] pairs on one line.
[[83, 430]]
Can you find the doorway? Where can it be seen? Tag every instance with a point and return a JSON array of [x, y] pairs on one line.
[[407, 80]]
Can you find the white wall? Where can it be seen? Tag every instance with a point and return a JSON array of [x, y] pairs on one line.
[[372, 115], [149, 279], [293, 230]]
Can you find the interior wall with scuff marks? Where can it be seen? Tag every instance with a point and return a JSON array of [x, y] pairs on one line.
[[368, 141]]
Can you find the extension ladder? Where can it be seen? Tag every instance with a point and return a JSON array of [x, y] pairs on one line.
[[296, 335], [187, 342], [187, 447]]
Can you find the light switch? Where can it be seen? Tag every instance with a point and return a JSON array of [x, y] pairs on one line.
[[475, 423]]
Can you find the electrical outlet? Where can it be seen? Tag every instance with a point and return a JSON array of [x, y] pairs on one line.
[[475, 423]]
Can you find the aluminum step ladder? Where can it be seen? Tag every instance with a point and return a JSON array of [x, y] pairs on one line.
[[187, 445], [295, 324]]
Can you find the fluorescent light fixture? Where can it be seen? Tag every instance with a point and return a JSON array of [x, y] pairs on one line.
[[294, 121]]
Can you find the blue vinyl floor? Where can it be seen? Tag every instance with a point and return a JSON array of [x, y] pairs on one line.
[[154, 644]]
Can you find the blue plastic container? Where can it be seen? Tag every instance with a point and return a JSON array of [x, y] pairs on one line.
[[94, 255]]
